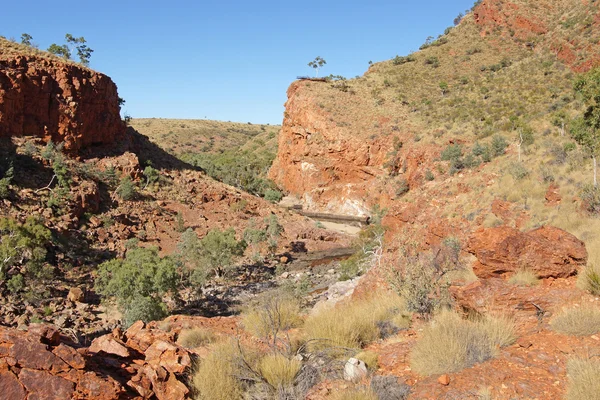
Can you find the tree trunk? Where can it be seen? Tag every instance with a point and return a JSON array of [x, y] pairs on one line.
[[595, 170]]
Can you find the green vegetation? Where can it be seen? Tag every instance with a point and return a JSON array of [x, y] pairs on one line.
[[138, 283], [244, 170], [214, 253], [78, 44], [450, 343], [126, 189], [215, 377], [22, 251], [317, 63], [586, 129], [589, 279]]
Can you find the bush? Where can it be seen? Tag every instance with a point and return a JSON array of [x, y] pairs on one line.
[[152, 175], [518, 171], [196, 337], [215, 377], [583, 379], [352, 325], [429, 175], [272, 315], [143, 308], [371, 359], [589, 279], [452, 152], [278, 370], [580, 321], [499, 146], [355, 394], [450, 344], [23, 247], [398, 60], [126, 189], [388, 388], [590, 196], [138, 283], [272, 195], [524, 277], [402, 187]]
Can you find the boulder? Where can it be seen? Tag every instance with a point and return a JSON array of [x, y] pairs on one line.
[[355, 370], [42, 385], [109, 345], [547, 251], [75, 295]]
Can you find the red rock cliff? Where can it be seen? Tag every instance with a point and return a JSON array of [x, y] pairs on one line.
[[55, 100]]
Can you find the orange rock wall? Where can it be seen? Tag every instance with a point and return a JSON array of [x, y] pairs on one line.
[[59, 101]]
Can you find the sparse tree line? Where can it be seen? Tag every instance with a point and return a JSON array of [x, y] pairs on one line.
[[72, 45]]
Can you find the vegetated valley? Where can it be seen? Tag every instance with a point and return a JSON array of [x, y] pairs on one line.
[[452, 249]]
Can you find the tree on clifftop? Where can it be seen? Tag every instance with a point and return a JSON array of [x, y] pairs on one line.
[[586, 129], [83, 51], [26, 39], [61, 51], [317, 63]]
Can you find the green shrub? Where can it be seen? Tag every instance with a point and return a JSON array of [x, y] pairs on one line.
[[499, 145], [398, 60], [127, 189], [138, 283], [152, 175], [272, 195], [429, 175], [518, 171], [452, 152], [23, 246]]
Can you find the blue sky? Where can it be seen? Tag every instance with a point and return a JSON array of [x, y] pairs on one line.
[[228, 60]]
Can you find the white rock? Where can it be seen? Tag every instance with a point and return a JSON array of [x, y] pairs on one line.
[[355, 370]]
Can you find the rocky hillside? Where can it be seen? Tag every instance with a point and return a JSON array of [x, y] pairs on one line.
[[349, 144], [46, 97]]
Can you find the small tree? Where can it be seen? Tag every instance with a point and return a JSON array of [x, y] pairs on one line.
[[218, 250], [26, 39], [138, 283], [83, 51], [61, 51], [317, 63], [586, 129]]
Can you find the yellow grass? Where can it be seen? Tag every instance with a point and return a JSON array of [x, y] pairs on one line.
[[215, 376], [278, 370], [450, 343], [583, 379], [196, 337], [578, 321]]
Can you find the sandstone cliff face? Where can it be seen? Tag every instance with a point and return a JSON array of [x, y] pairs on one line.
[[60, 101], [322, 162]]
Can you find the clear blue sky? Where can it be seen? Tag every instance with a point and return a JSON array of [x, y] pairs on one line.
[[228, 60]]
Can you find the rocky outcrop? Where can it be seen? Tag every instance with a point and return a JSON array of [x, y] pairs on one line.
[[547, 251], [55, 100], [36, 365]]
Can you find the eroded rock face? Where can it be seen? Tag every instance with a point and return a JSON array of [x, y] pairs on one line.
[[60, 101], [33, 365], [547, 251]]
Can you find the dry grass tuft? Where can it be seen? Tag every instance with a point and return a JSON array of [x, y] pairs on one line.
[[215, 376], [589, 279], [355, 394], [370, 358], [271, 315], [278, 370], [353, 325], [578, 321], [583, 379], [196, 337], [524, 277], [450, 343]]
